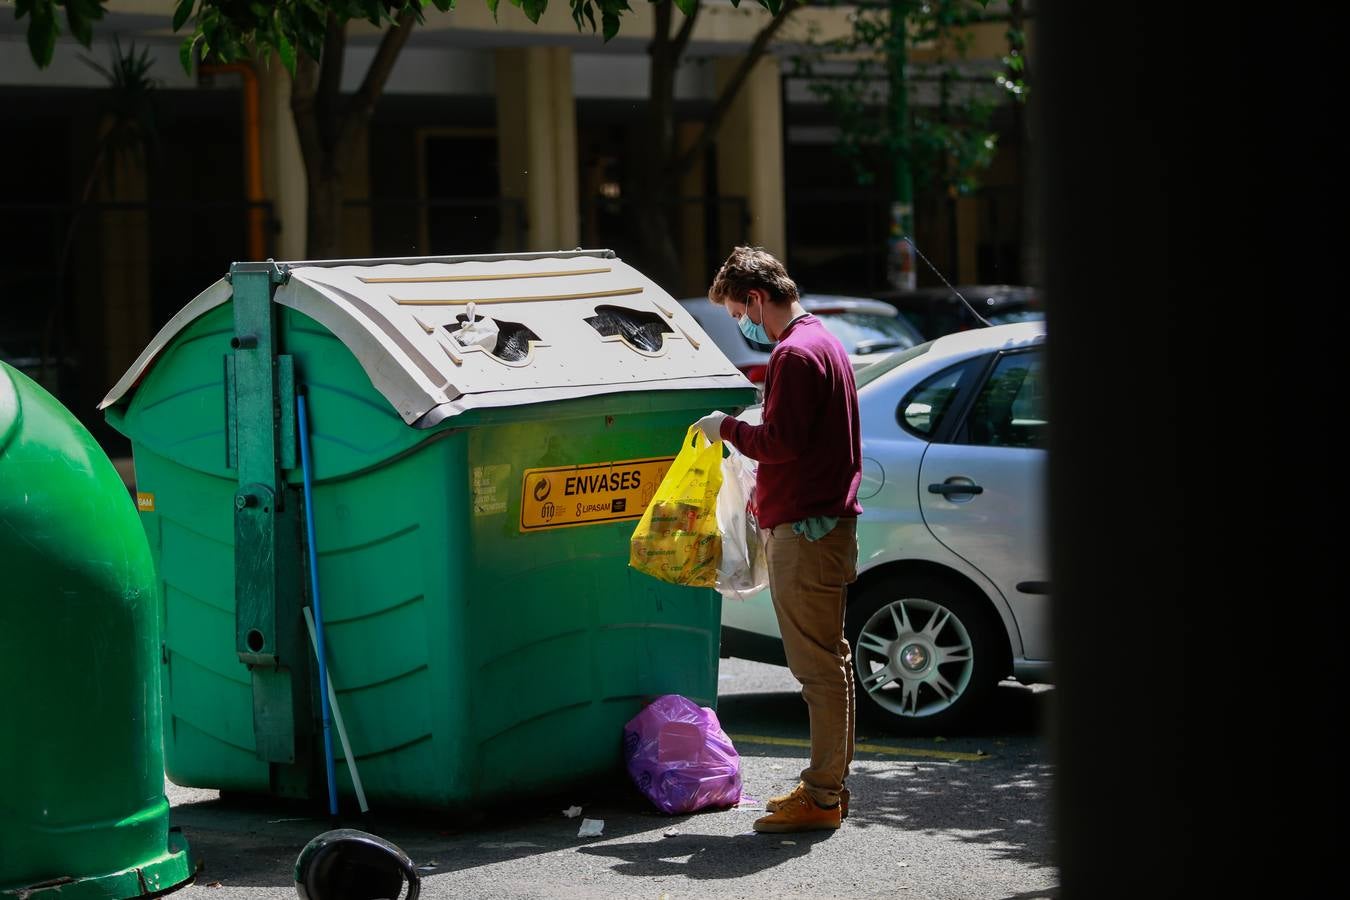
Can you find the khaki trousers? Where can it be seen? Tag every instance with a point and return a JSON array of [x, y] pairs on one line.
[[808, 582]]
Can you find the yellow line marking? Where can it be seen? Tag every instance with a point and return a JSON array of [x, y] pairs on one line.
[[485, 301], [500, 276], [863, 748]]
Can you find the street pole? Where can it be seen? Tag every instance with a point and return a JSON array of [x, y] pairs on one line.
[[900, 257]]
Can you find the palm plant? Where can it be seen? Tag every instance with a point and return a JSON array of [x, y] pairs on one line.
[[127, 134]]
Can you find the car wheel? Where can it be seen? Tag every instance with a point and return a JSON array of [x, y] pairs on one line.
[[925, 654]]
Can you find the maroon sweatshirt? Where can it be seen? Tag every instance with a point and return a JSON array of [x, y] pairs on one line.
[[809, 448]]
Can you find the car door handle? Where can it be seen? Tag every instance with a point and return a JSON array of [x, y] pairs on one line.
[[947, 490]]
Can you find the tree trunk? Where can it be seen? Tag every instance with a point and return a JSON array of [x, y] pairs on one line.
[[662, 163], [324, 235], [655, 195], [651, 212], [326, 123]]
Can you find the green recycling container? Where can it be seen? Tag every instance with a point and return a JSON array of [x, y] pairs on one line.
[[485, 432], [82, 806]]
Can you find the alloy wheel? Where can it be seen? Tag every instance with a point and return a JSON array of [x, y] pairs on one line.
[[914, 657]]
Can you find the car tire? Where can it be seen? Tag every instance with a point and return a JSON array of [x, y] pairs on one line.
[[926, 654]]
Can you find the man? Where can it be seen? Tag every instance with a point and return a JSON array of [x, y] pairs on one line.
[[810, 462]]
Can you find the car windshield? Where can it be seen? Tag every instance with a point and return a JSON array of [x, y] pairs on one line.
[[885, 364], [862, 333]]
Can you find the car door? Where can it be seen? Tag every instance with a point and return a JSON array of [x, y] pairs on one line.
[[982, 489]]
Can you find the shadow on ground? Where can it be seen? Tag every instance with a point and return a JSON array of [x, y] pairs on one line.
[[999, 803], [706, 856]]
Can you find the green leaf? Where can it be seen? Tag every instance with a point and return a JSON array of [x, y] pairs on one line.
[[185, 52], [492, 7], [80, 27], [773, 6], [610, 23], [180, 15], [590, 16], [42, 35], [286, 51], [533, 9], [687, 6]]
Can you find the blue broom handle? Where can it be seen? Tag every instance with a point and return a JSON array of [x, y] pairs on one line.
[[308, 471]]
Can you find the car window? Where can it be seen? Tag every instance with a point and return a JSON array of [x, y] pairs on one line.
[[862, 333], [1010, 410], [924, 408]]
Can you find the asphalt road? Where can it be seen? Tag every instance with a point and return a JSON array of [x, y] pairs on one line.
[[962, 818]]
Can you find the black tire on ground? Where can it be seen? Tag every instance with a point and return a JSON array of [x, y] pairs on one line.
[[921, 597]]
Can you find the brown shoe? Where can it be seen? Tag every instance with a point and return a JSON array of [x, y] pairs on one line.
[[798, 812], [772, 804]]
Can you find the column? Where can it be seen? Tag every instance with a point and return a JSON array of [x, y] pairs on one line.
[[750, 151], [692, 236], [537, 142]]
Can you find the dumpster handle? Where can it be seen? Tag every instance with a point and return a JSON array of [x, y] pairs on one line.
[[307, 469]]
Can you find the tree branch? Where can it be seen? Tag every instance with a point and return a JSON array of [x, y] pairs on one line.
[[326, 100], [661, 27], [685, 161], [363, 103], [682, 38], [303, 111]]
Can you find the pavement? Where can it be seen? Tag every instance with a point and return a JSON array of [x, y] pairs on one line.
[[961, 818]]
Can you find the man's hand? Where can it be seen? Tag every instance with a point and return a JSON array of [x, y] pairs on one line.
[[711, 426]]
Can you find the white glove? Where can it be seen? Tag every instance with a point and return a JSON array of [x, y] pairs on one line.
[[711, 426]]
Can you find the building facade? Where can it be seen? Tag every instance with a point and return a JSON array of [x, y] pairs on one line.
[[490, 136]]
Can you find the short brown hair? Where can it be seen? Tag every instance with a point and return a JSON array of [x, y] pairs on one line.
[[748, 268]]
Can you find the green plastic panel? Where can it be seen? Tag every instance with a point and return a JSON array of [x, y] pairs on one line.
[[471, 660], [81, 758]]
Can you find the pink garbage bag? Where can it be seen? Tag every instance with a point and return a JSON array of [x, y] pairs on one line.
[[680, 758]]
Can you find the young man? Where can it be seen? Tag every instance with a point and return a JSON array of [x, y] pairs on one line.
[[810, 462]]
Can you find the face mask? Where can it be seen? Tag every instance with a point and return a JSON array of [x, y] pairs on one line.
[[752, 330]]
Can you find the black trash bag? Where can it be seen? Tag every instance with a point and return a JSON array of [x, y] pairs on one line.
[[643, 330], [346, 864]]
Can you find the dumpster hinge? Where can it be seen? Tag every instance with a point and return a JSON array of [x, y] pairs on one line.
[[260, 445]]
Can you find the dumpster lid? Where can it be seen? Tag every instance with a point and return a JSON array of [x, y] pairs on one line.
[[567, 324]]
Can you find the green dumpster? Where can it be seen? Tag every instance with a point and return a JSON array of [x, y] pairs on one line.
[[485, 433], [82, 806]]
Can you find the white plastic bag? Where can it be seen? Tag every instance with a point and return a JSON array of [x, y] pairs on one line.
[[477, 331], [744, 570]]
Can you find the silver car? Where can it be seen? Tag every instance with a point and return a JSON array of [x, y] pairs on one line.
[[952, 593], [867, 329]]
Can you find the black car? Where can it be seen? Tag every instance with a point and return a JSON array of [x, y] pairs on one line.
[[936, 311]]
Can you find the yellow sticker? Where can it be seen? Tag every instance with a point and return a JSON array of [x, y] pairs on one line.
[[589, 494], [145, 502]]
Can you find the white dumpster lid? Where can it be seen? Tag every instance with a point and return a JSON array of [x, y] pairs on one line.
[[572, 324]]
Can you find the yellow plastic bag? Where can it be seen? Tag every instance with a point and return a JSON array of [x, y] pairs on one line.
[[677, 540]]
